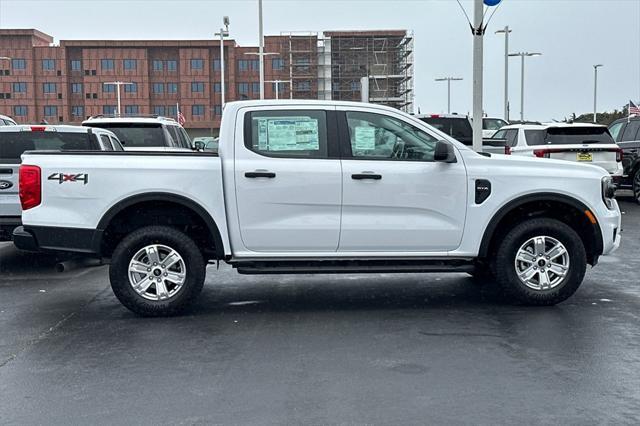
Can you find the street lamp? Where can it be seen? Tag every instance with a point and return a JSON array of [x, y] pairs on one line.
[[522, 56], [595, 91], [506, 32], [117, 84], [224, 32], [261, 54], [449, 80]]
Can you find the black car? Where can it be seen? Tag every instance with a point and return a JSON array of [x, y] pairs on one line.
[[626, 133]]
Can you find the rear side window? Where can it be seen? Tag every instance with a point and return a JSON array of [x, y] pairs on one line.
[[106, 143], [568, 136], [290, 134], [631, 131], [136, 134], [13, 144]]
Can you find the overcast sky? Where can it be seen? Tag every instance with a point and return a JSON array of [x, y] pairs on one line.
[[572, 35]]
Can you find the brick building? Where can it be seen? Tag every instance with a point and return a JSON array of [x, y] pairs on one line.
[[65, 82]]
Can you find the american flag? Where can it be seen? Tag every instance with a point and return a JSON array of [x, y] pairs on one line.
[[181, 119], [633, 109]]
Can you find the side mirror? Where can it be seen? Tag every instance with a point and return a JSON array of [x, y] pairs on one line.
[[198, 145], [444, 153]]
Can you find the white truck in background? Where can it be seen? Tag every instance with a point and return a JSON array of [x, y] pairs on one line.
[[320, 187]]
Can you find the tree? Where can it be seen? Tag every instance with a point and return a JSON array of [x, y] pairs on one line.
[[605, 117]]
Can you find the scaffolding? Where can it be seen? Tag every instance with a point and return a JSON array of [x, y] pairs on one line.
[[299, 50]]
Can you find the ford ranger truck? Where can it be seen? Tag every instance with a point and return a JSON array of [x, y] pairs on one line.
[[319, 187]]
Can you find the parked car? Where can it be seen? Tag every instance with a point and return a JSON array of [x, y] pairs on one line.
[[460, 128], [583, 143], [491, 125], [206, 143], [137, 133], [626, 132], [7, 121], [15, 140], [321, 187]]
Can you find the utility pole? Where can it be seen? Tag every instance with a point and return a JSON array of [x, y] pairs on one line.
[[522, 56], [277, 83], [224, 32], [118, 84], [506, 32], [595, 92], [261, 49], [449, 80]]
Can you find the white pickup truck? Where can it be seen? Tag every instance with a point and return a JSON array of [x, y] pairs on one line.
[[319, 187]]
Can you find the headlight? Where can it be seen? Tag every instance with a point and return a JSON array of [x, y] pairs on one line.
[[608, 191]]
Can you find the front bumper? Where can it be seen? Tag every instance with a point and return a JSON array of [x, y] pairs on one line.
[[7, 225], [611, 229]]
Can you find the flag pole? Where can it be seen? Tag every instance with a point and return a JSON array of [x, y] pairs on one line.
[[178, 111], [629, 112]]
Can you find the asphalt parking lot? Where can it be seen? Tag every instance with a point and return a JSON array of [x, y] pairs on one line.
[[356, 349]]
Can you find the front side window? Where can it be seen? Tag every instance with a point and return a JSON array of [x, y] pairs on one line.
[[48, 64], [631, 131], [130, 64], [615, 130], [381, 137], [107, 64], [197, 64], [294, 134]]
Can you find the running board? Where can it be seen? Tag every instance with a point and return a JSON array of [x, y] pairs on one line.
[[352, 266]]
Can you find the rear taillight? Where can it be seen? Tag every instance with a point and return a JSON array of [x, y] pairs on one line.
[[507, 150], [541, 153], [619, 155], [30, 188]]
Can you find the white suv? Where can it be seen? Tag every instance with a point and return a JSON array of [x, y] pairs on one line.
[[154, 133], [583, 143], [7, 121]]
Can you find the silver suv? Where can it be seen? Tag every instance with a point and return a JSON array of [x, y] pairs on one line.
[[14, 140], [153, 133]]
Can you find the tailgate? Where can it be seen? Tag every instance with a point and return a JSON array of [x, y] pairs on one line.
[[9, 200]]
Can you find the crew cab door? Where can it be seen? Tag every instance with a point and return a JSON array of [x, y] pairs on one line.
[[396, 198], [288, 179]]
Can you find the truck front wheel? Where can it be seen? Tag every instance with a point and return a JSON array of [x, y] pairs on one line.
[[157, 271], [540, 262]]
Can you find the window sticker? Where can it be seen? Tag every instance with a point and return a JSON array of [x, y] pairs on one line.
[[365, 138], [288, 134]]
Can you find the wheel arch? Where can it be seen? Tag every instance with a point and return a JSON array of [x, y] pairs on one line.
[[514, 210]]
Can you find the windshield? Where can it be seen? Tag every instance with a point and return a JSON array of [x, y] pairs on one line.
[[569, 136], [457, 128], [136, 134], [13, 144]]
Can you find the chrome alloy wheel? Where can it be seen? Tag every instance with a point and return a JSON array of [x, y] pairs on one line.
[[542, 263], [157, 272]]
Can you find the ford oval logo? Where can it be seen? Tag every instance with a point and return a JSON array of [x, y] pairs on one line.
[[5, 184]]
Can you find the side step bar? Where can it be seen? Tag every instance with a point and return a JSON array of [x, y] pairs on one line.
[[352, 266]]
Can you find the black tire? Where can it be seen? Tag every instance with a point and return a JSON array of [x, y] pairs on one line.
[[636, 186], [505, 270], [178, 241]]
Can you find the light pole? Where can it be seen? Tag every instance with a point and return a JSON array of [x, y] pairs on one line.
[[506, 32], [478, 36], [595, 91], [261, 48], [449, 80], [224, 32], [277, 83], [261, 54], [118, 84], [522, 56]]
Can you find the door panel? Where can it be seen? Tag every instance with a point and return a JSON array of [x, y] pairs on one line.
[[414, 204], [288, 190]]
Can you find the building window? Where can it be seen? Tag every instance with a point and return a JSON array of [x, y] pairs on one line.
[[20, 87], [77, 111], [197, 64], [130, 64], [131, 109], [277, 64], [302, 64], [278, 86], [109, 109], [172, 87], [157, 65], [109, 88], [50, 111], [159, 110], [49, 87], [255, 87], [107, 64], [197, 87], [254, 64], [48, 64], [197, 110], [243, 88], [355, 85], [172, 111], [216, 64], [131, 88], [217, 110], [76, 65], [20, 110], [217, 87], [172, 65], [302, 86], [158, 88], [18, 64], [76, 87], [243, 65]]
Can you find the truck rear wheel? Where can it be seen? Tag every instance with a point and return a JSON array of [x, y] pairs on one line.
[[540, 262], [157, 271], [636, 186]]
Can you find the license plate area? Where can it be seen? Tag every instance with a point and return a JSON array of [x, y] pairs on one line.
[[585, 156]]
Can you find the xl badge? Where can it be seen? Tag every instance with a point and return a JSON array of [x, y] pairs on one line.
[[5, 184], [63, 177]]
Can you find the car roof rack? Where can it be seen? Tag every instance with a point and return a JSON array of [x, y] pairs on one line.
[[161, 117]]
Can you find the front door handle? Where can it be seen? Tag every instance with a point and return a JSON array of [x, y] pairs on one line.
[[366, 175], [256, 174]]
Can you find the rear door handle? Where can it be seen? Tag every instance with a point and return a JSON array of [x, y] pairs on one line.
[[253, 175], [366, 175]]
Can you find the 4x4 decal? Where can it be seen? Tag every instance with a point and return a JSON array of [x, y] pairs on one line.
[[63, 177]]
